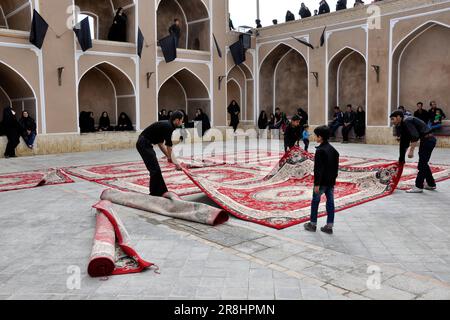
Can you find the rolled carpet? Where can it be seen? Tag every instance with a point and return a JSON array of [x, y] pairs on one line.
[[112, 253], [170, 206]]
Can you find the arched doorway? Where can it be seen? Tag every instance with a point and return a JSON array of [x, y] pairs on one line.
[[102, 13], [16, 92], [421, 68], [194, 18], [347, 80], [184, 90], [240, 87], [104, 87], [284, 81], [15, 14]]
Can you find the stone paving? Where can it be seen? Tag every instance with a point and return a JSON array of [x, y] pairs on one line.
[[47, 232]]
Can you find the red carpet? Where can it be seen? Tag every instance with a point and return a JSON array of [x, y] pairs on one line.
[[112, 253], [32, 179], [282, 198]]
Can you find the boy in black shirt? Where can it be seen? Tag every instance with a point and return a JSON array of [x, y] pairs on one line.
[[326, 168], [293, 133], [159, 133]]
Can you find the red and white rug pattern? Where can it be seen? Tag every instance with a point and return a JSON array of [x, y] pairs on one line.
[[283, 198], [32, 179]]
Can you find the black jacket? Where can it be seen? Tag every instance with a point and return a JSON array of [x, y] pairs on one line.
[[349, 117], [326, 165], [341, 5], [304, 13], [324, 8], [424, 115], [411, 130], [292, 135]]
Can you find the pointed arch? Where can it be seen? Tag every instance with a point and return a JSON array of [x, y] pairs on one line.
[[416, 57], [347, 79], [184, 88], [277, 89], [16, 14], [17, 91], [106, 87]]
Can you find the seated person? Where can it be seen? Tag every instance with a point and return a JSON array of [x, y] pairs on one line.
[[28, 126], [87, 122], [124, 123], [338, 121], [104, 124], [436, 123]]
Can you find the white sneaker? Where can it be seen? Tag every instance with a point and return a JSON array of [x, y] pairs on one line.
[[415, 190], [427, 187]]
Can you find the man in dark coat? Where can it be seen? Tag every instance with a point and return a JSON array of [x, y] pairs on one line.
[[175, 31], [421, 113], [12, 130], [159, 133], [324, 7], [341, 5], [326, 169], [293, 133], [349, 122], [410, 130]]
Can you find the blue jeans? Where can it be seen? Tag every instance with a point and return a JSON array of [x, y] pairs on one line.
[[29, 139], [329, 193]]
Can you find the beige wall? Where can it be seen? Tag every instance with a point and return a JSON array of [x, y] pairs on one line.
[[171, 96]]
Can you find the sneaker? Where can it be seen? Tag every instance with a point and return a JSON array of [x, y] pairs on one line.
[[415, 190], [310, 227], [427, 187], [327, 229]]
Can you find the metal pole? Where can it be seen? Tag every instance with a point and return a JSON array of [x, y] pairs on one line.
[[257, 9]]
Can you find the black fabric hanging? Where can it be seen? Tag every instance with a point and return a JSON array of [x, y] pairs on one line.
[[219, 52], [322, 38], [304, 42], [39, 29], [83, 34], [140, 43], [169, 48], [238, 52]]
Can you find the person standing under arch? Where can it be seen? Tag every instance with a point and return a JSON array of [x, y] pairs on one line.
[[12, 130], [234, 110], [118, 30], [175, 31]]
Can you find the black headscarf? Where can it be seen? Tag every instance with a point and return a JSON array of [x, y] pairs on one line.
[[104, 123], [10, 123], [124, 123], [118, 30], [203, 117], [263, 120]]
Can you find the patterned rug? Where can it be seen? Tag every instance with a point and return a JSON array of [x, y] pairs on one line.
[[32, 179], [283, 197], [112, 253]]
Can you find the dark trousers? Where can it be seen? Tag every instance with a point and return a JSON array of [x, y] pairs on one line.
[[157, 185], [346, 132], [306, 142], [425, 150], [329, 193], [13, 142], [333, 127]]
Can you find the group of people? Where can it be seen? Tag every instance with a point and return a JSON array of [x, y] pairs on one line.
[[200, 117], [304, 11], [348, 120], [433, 117], [14, 128], [87, 123]]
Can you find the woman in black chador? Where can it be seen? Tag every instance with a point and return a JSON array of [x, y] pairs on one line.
[[360, 123], [203, 117], [12, 130], [124, 123], [234, 110], [118, 30], [104, 124], [263, 121]]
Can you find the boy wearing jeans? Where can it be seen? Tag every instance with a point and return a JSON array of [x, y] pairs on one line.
[[326, 166]]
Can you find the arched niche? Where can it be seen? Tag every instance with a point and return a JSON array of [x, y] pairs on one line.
[[284, 81], [103, 13], [347, 76], [16, 92], [184, 90], [15, 14], [105, 87], [421, 67], [240, 87], [195, 22]]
